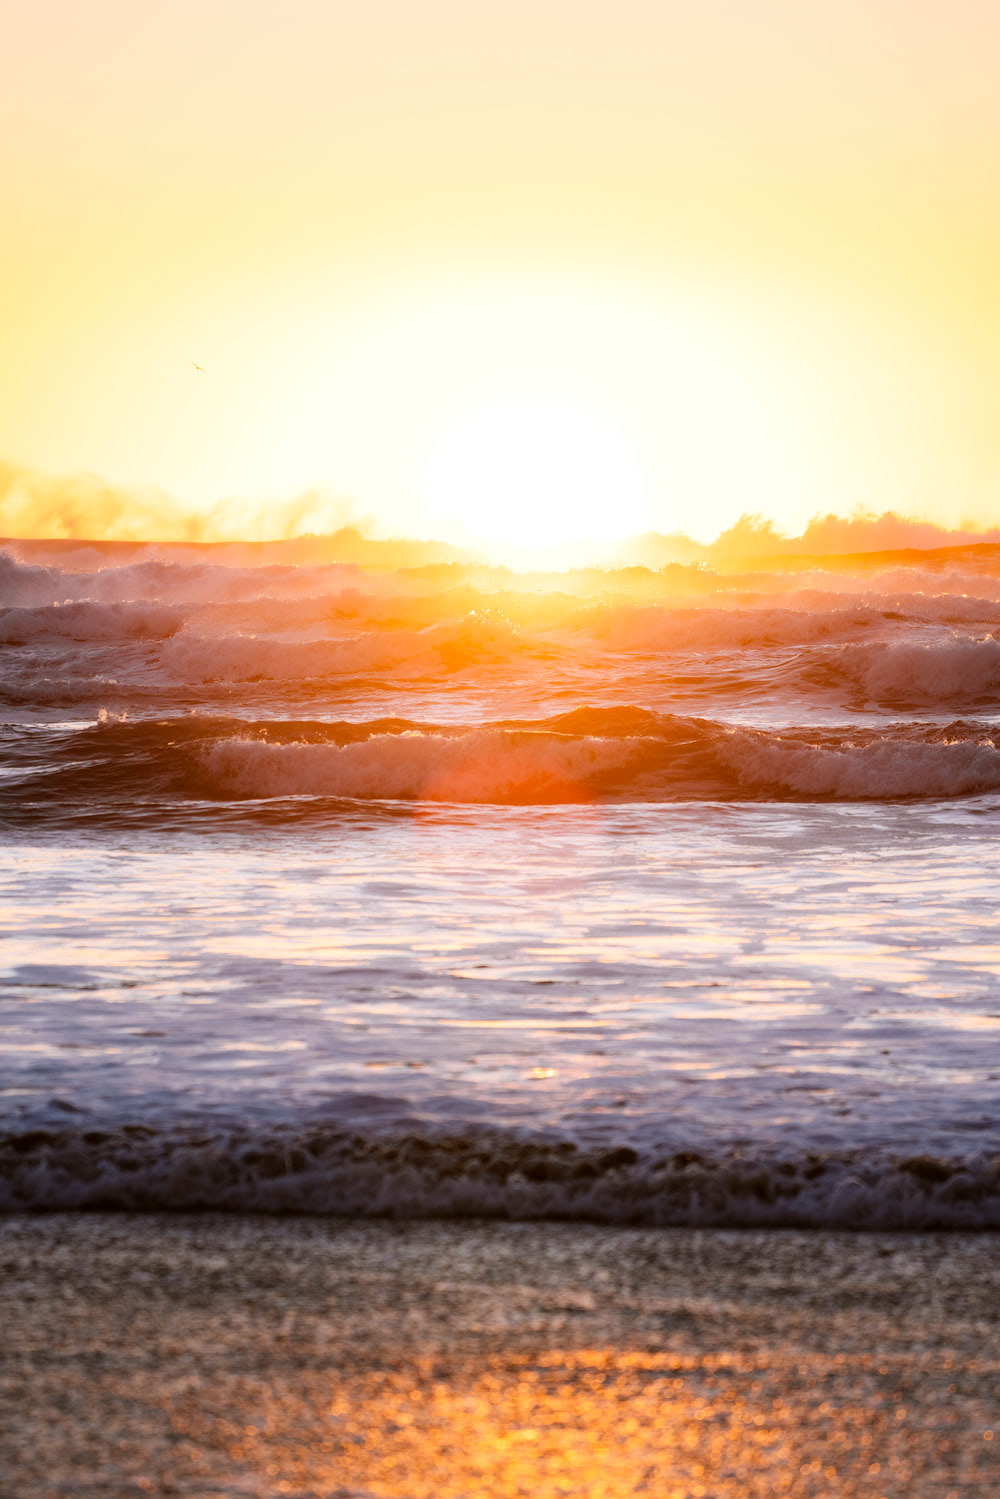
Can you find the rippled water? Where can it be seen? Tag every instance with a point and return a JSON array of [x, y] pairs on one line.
[[361, 894]]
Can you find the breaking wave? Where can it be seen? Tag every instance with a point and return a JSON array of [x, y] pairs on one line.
[[481, 765], [249, 658], [255, 702], [655, 628], [89, 621], [958, 669], [209, 627], [590, 755], [880, 769], [695, 761], [162, 581]]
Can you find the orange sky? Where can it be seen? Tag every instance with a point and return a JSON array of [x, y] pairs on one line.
[[735, 255]]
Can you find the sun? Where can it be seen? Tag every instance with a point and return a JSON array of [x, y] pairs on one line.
[[536, 469], [559, 414], [522, 411]]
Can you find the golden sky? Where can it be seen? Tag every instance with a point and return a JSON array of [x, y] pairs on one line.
[[494, 269]]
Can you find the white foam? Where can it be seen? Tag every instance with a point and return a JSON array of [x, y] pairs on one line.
[[247, 658], [656, 628], [958, 667], [480, 765], [167, 582], [89, 621], [890, 767], [489, 1175]]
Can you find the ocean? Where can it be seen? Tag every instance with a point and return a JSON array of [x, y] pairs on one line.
[[621, 895]]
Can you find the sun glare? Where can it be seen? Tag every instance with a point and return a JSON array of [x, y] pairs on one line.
[[533, 414], [534, 470], [511, 411]]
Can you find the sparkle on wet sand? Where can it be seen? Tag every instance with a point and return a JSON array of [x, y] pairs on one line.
[[198, 1356]]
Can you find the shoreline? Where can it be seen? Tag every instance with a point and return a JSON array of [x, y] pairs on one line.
[[197, 1355]]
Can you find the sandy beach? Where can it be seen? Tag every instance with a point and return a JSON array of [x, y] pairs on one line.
[[206, 1355]]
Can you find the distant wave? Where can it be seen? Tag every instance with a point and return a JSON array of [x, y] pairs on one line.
[[153, 634], [807, 618], [155, 580], [638, 608], [89, 621], [655, 628], [488, 1173], [907, 672], [236, 658]]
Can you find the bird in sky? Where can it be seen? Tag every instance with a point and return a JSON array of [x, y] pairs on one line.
[[197, 366]]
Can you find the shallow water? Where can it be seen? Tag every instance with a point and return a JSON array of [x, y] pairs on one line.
[[545, 916]]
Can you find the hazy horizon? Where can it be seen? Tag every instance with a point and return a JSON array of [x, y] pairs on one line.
[[81, 507], [460, 265]]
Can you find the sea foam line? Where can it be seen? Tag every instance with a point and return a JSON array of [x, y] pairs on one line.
[[489, 1174]]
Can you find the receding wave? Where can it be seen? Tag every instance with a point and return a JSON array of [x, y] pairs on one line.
[[488, 1173]]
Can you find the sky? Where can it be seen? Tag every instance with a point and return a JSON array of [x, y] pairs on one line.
[[515, 272]]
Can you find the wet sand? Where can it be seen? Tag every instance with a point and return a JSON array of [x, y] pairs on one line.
[[197, 1356]]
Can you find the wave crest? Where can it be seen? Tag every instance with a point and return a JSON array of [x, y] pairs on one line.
[[251, 658], [480, 765], [961, 668], [880, 770], [587, 756], [89, 621]]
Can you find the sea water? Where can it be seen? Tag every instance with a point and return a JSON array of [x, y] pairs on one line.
[[631, 896]]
